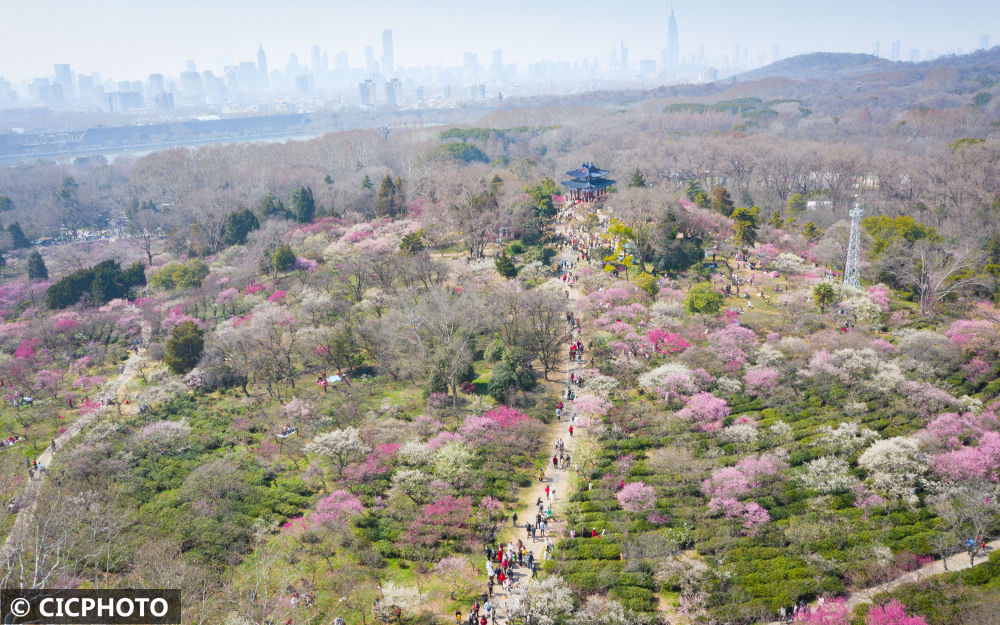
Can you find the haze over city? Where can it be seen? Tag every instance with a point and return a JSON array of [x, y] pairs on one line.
[[130, 40]]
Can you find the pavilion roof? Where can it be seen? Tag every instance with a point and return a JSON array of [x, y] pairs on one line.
[[587, 170], [594, 184]]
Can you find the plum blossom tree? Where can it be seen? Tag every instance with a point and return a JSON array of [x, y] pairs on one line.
[[895, 466], [706, 410], [542, 602], [335, 509], [760, 380], [670, 380], [339, 446], [833, 612], [827, 474], [892, 613], [457, 575], [591, 406], [637, 497]]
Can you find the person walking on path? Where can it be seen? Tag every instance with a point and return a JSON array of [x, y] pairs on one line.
[[571, 430]]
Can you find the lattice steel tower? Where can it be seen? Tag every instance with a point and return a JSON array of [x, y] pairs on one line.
[[852, 269]]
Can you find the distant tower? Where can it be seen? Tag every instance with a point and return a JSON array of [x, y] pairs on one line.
[[984, 42], [673, 54], [624, 59], [388, 58], [262, 66], [852, 269]]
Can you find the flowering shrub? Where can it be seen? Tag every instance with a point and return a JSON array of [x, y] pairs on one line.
[[26, 349], [277, 297], [827, 474], [664, 342], [731, 342], [591, 406], [441, 521], [226, 295], [671, 380], [879, 295], [833, 612], [706, 410], [336, 508], [726, 483], [892, 613], [760, 380], [970, 463], [636, 497], [894, 465]]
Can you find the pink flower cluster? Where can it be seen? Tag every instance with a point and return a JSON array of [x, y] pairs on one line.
[[377, 462], [706, 410], [731, 342], [636, 497], [760, 381], [277, 297], [664, 342], [336, 508], [892, 613], [226, 295], [970, 463]]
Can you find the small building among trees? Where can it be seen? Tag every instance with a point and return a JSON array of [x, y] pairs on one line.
[[588, 183]]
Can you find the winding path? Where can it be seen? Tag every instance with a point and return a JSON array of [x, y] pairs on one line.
[[29, 498]]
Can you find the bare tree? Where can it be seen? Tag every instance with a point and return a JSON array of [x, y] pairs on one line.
[[935, 274]]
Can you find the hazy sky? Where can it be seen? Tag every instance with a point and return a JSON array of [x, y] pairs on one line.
[[133, 38]]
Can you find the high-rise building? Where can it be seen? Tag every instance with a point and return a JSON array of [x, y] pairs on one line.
[[64, 78], [371, 65], [315, 59], [262, 67], [914, 55], [393, 92], [624, 56], [497, 67], [388, 57], [156, 85], [367, 90], [894, 54], [673, 51], [984, 42], [876, 49]]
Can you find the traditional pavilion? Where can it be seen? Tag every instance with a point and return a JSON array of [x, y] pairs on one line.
[[588, 183]]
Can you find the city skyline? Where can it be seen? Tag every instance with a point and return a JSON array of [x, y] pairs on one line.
[[160, 38]]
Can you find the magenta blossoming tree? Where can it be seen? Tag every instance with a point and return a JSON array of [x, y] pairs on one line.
[[833, 612], [892, 613], [336, 509]]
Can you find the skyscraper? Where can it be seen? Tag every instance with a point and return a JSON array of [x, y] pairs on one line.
[[371, 65], [673, 54], [388, 58], [367, 91], [876, 49], [393, 92], [624, 55], [262, 67], [894, 55], [984, 42], [64, 78]]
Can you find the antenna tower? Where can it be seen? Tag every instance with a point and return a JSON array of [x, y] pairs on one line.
[[852, 269]]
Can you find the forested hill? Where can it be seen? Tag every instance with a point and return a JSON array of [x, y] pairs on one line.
[[841, 65]]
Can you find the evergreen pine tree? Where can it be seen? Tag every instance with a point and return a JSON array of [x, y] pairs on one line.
[[17, 237], [303, 205], [638, 180], [36, 266]]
